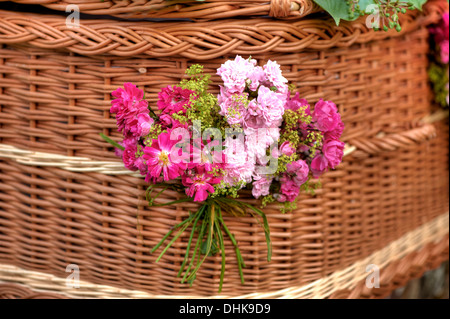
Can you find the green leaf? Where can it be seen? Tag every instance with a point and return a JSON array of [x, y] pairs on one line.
[[338, 9], [110, 141], [418, 3]]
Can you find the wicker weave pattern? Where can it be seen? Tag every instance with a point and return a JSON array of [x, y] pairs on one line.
[[187, 9], [63, 99], [407, 257], [90, 219]]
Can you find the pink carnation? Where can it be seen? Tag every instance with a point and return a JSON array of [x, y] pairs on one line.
[[319, 165], [270, 106], [289, 188], [129, 157], [333, 150], [234, 73], [231, 107], [174, 99], [326, 116], [287, 149], [261, 186], [273, 74], [127, 106], [295, 103], [300, 170]]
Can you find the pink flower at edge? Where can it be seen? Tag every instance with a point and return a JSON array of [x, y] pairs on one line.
[[159, 159], [289, 188], [319, 165], [128, 105], [333, 150], [326, 116], [441, 37], [199, 184]]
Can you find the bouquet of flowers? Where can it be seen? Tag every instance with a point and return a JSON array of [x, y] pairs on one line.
[[254, 135], [439, 66]]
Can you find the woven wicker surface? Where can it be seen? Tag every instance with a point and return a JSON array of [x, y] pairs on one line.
[[54, 99], [378, 80], [187, 9], [404, 259], [52, 217]]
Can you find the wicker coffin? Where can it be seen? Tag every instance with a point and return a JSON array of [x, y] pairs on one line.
[[66, 199]]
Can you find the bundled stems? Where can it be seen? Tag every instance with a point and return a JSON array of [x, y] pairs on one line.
[[210, 227]]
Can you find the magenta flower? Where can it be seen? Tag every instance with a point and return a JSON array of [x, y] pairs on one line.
[[159, 159], [289, 188], [174, 99], [129, 157], [326, 116], [127, 106], [300, 170], [287, 149], [295, 103], [333, 150], [441, 36], [199, 184], [319, 165]]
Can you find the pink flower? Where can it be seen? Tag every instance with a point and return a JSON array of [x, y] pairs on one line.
[[174, 99], [270, 106], [295, 103], [127, 106], [301, 171], [280, 198], [287, 149], [129, 157], [319, 165], [261, 186], [289, 188], [199, 184], [326, 116], [141, 165], [159, 159], [336, 133], [255, 78], [273, 74], [234, 73], [333, 150], [232, 107], [441, 36], [445, 51], [210, 155]]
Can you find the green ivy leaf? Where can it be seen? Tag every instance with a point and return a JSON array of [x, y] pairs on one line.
[[338, 9], [418, 3]]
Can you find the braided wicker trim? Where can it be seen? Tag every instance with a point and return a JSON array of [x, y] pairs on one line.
[[198, 41], [188, 9], [431, 232]]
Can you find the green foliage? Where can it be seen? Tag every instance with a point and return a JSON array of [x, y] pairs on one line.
[[388, 10], [204, 106], [439, 79]]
